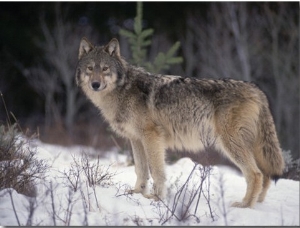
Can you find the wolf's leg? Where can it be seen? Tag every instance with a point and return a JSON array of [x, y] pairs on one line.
[[141, 167], [243, 158], [266, 185], [155, 152], [254, 186], [236, 125]]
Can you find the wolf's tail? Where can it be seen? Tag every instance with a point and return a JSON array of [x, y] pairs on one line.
[[272, 160]]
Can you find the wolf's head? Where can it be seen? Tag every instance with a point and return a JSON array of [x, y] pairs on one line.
[[100, 68]]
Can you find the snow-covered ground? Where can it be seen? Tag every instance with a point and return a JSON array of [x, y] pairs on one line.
[[109, 204]]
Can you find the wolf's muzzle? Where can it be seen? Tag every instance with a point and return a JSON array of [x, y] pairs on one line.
[[95, 85]]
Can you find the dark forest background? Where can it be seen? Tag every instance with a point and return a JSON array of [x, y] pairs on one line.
[[256, 41]]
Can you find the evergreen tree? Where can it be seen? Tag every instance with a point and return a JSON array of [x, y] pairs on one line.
[[139, 40]]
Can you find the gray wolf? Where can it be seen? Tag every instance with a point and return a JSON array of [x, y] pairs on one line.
[[156, 112]]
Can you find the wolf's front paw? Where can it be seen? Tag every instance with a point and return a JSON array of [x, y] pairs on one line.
[[131, 191], [240, 204], [139, 188], [151, 196]]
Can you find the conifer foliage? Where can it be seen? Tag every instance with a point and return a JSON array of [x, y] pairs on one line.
[[139, 39]]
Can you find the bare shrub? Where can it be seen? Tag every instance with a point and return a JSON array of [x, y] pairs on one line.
[[95, 173], [220, 202], [19, 168], [72, 175], [83, 168], [85, 173], [62, 213], [185, 202]]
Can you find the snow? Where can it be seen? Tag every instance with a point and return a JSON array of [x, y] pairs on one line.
[[109, 203]]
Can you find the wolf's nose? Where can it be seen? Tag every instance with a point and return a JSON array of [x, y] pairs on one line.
[[95, 85]]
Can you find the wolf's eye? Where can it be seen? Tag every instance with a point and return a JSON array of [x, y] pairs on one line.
[[105, 68], [90, 68]]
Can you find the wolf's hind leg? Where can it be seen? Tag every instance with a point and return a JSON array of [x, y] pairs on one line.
[[242, 156], [141, 167], [266, 185], [254, 186]]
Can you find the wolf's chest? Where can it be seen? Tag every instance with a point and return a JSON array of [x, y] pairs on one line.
[[121, 122], [124, 129]]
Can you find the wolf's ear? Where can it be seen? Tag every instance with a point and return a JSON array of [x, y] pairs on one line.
[[113, 47], [84, 47]]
